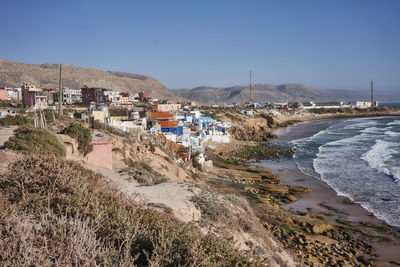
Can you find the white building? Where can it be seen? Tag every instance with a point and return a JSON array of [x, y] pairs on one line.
[[360, 104], [72, 96]]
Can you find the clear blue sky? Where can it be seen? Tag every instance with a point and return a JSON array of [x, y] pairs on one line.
[[321, 43]]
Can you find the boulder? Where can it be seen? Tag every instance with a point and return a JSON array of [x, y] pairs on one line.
[[321, 228]]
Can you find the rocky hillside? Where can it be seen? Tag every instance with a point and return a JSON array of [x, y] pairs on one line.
[[269, 93], [13, 74]]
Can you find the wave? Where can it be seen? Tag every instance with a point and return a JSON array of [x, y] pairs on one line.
[[360, 125], [392, 134], [394, 123], [379, 156], [373, 130]]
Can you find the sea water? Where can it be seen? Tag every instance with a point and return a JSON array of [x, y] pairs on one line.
[[360, 159]]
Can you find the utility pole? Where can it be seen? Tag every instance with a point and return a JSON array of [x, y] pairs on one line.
[[60, 93], [251, 91], [372, 93]]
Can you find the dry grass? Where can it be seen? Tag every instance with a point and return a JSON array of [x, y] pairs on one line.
[[54, 212]]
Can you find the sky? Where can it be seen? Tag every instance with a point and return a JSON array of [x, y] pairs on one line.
[[338, 44]]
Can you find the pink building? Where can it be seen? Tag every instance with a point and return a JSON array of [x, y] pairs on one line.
[[101, 156], [34, 96], [3, 94]]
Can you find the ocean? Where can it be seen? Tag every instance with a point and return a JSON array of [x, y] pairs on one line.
[[360, 159]]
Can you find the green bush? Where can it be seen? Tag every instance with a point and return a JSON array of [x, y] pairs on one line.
[[54, 212], [31, 140], [82, 135], [15, 120]]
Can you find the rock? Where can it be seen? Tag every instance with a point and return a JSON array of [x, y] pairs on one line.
[[291, 198], [320, 228]]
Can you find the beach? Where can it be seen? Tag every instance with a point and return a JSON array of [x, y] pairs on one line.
[[323, 199]]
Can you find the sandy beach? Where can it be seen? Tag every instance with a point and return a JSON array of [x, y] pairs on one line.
[[323, 199]]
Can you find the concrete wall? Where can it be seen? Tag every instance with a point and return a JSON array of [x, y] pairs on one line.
[[101, 156]]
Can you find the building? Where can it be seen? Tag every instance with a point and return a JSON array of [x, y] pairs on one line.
[[72, 96], [168, 107], [15, 94], [94, 96], [113, 97], [360, 104], [52, 95], [33, 96], [4, 94], [124, 98], [143, 96]]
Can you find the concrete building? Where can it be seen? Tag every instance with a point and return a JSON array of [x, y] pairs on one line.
[[101, 156], [4, 94], [124, 98], [113, 97], [34, 96], [361, 104], [168, 107], [72, 96], [94, 96]]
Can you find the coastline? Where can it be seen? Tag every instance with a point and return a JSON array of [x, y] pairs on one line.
[[323, 199]]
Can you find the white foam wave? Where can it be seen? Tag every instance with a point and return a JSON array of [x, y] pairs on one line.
[[379, 156], [394, 123], [380, 213], [392, 134], [372, 130]]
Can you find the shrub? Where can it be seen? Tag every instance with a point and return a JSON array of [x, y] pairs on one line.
[[55, 212], [82, 135], [143, 173], [31, 140], [15, 120], [195, 161]]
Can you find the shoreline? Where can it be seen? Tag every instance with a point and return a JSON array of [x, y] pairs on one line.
[[324, 199]]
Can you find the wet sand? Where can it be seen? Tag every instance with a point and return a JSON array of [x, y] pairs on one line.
[[323, 199]]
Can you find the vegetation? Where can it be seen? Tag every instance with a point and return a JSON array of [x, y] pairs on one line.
[[143, 173], [195, 161], [257, 151], [31, 140], [82, 135], [15, 120], [54, 212], [12, 104]]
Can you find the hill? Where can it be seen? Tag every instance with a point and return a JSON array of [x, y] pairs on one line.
[[268, 93], [13, 74]]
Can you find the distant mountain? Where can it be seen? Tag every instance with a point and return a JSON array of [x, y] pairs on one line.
[[13, 74], [271, 93]]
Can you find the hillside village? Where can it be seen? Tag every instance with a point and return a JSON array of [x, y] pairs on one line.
[[181, 123], [179, 157]]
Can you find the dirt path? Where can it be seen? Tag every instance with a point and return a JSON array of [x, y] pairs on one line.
[[171, 194]]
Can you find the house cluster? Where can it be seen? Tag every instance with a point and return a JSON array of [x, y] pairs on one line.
[[10, 94], [41, 98], [184, 128], [273, 108]]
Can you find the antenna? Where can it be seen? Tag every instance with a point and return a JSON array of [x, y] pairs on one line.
[[60, 93], [372, 93], [251, 91]]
